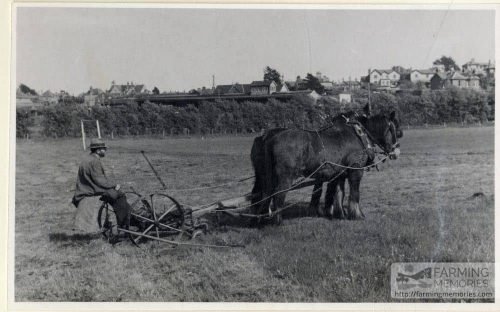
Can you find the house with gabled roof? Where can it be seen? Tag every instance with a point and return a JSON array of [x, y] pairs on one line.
[[473, 67], [263, 87], [459, 80], [439, 81], [130, 89], [282, 88], [94, 96], [384, 77], [422, 75], [239, 89], [222, 89], [456, 79]]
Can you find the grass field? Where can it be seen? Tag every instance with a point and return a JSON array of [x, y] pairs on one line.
[[418, 208]]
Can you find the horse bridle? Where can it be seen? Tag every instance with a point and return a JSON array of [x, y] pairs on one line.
[[392, 127]]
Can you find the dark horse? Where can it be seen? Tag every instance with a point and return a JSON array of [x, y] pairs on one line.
[[282, 155]]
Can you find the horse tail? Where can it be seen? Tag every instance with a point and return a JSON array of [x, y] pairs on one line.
[[269, 176], [257, 159]]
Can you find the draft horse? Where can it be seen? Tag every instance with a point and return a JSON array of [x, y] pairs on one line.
[[327, 155]]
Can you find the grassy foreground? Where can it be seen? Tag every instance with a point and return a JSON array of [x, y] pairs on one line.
[[418, 208]]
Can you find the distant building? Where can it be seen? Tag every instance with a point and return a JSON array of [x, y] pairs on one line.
[[439, 81], [49, 98], [328, 86], [321, 77], [282, 88], [205, 91], [456, 79], [130, 89], [314, 95], [422, 75], [297, 85], [490, 70], [475, 68], [348, 85], [345, 97], [262, 87], [93, 97], [384, 77], [231, 89]]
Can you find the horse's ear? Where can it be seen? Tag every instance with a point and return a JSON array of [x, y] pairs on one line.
[[392, 116]]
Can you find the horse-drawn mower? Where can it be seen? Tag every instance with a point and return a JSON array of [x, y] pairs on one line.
[[162, 217]]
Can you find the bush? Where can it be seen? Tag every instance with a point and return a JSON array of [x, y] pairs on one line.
[[24, 120]]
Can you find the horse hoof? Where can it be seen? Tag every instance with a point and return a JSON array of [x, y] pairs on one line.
[[356, 217], [338, 215], [277, 219]]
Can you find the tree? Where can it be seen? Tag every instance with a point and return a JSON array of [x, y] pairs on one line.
[[448, 62], [313, 83], [27, 90], [272, 74], [156, 90]]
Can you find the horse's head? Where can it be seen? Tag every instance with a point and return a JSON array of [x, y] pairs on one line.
[[385, 131]]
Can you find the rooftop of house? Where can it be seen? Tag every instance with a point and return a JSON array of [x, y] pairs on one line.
[[442, 75], [94, 91], [424, 71], [473, 62], [381, 71], [221, 89], [48, 93], [128, 88], [261, 83], [459, 76]]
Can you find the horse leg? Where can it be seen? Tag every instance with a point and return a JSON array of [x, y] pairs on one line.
[[279, 199], [257, 197], [315, 198], [335, 199], [354, 212]]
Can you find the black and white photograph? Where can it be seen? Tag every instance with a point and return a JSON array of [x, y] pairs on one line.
[[245, 154]]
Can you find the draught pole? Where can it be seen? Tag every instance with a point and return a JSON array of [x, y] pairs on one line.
[[154, 170], [98, 129]]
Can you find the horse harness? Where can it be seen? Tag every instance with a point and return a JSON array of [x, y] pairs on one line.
[[364, 138], [367, 155]]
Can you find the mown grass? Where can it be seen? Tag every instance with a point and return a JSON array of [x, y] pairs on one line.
[[418, 208]]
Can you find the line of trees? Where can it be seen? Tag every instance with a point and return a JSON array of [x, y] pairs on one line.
[[429, 107]]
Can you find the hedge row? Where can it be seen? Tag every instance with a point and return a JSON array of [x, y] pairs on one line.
[[450, 105]]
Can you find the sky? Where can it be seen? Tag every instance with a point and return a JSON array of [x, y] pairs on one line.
[[176, 49]]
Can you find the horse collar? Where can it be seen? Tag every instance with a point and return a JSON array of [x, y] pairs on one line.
[[362, 136]]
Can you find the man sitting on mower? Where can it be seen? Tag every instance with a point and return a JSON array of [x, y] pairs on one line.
[[92, 181]]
